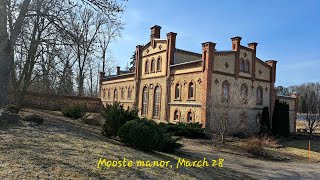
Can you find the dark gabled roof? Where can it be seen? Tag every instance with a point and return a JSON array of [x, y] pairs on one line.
[[188, 52]]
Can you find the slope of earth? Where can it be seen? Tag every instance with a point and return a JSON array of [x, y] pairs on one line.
[[62, 148]]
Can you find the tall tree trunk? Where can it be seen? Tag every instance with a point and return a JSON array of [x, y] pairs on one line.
[[6, 65], [6, 46]]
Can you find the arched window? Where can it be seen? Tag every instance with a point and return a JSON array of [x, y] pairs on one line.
[[244, 92], [259, 96], [159, 64], [115, 95], [129, 93], [176, 115], [247, 66], [145, 99], [177, 91], [104, 94], [156, 105], [152, 65], [241, 65], [191, 90], [225, 91], [122, 93], [147, 67], [109, 94], [190, 117]]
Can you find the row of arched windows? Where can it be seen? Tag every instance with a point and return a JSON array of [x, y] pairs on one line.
[[244, 65], [156, 101], [191, 91], [189, 118], [244, 93], [153, 66], [115, 94]]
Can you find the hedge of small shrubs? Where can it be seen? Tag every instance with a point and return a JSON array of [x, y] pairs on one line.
[[146, 135], [74, 112], [115, 116], [189, 130]]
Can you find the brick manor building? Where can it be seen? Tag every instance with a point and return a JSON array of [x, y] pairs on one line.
[[175, 85]]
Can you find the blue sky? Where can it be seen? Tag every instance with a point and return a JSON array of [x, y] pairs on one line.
[[286, 31]]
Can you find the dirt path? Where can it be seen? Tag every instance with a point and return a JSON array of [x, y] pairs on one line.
[[62, 148], [256, 168]]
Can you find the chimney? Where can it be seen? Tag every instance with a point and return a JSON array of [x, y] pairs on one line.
[[253, 46], [208, 49], [236, 43], [137, 61], [273, 65], [102, 75], [171, 37], [118, 70], [155, 32]]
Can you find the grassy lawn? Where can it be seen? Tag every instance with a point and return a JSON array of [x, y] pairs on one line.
[[297, 150], [63, 148]]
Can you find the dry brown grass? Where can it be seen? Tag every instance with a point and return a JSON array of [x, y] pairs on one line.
[[297, 150], [62, 148], [253, 146], [270, 141]]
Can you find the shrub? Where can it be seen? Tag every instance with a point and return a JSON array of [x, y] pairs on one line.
[[34, 118], [91, 121], [190, 130], [115, 116], [75, 112], [269, 141], [146, 135], [253, 146], [12, 108]]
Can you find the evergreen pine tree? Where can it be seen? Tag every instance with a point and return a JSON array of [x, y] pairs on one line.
[[132, 62], [265, 121]]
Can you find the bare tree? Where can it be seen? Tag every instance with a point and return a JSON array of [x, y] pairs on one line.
[[8, 37], [12, 20], [83, 31], [231, 113], [106, 35], [310, 105]]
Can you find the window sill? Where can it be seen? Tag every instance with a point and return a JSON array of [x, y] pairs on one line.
[[177, 99], [191, 99]]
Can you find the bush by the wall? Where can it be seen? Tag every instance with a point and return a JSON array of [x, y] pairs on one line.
[[75, 111], [265, 121], [146, 135], [115, 116], [189, 130]]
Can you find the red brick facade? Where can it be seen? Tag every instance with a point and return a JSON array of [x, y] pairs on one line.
[[183, 72]]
